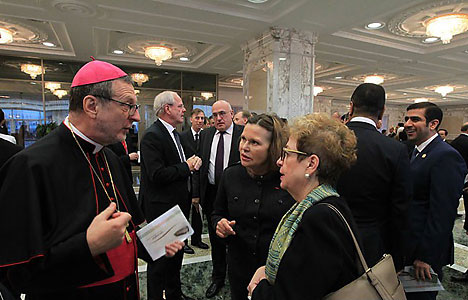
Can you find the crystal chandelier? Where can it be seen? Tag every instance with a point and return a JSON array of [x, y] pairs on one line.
[[140, 78], [446, 26], [6, 36], [444, 90], [52, 86], [158, 54], [31, 69], [375, 79], [60, 93], [317, 90]]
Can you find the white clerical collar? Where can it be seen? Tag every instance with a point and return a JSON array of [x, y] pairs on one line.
[[464, 133], [229, 130], [427, 142], [364, 120], [97, 146], [168, 126]]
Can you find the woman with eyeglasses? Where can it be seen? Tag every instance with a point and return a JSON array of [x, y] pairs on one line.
[[250, 202], [311, 253]]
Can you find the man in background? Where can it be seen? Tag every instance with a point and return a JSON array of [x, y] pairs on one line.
[[241, 117], [165, 182], [190, 139], [461, 144], [376, 188], [219, 148], [437, 174]]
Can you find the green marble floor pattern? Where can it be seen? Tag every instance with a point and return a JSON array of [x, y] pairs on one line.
[[196, 271]]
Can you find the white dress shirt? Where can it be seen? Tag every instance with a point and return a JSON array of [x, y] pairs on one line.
[[171, 129], [227, 137]]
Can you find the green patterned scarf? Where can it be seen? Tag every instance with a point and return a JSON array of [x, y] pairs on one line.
[[287, 227]]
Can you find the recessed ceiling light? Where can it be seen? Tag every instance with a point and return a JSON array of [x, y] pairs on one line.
[[430, 40], [257, 1], [338, 77], [282, 58], [405, 94], [117, 52], [418, 100], [375, 25], [184, 59], [466, 51], [48, 44], [166, 73], [32, 82]]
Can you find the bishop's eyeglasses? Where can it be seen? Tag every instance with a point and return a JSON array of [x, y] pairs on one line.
[[132, 108]]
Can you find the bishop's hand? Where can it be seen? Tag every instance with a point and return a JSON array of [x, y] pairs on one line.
[[107, 230]]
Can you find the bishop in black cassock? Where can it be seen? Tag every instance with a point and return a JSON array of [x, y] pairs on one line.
[[68, 211]]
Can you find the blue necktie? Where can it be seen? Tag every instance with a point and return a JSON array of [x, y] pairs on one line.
[[415, 154]]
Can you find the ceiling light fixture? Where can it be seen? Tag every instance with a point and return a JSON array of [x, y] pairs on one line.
[[444, 90], [257, 1], [60, 93], [139, 78], [418, 100], [430, 40], [158, 54], [48, 44], [137, 92], [375, 25], [317, 90], [52, 86], [119, 52], [338, 77], [31, 69], [206, 95], [282, 58], [184, 59], [446, 26], [375, 79], [6, 36]]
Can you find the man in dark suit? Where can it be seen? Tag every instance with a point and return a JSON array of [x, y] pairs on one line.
[[216, 156], [124, 150], [377, 187], [7, 150], [165, 174], [190, 139], [461, 144], [437, 174]]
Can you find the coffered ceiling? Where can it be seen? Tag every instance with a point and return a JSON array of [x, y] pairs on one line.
[[210, 33]]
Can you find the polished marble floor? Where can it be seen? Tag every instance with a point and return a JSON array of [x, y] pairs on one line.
[[196, 271]]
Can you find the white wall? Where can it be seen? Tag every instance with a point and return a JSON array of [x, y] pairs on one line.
[[234, 96]]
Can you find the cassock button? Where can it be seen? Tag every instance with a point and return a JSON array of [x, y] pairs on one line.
[[107, 184], [112, 199], [257, 201], [102, 169]]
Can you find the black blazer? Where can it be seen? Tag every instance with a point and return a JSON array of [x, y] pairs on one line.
[[323, 246], [437, 175], [163, 176], [188, 142], [7, 150], [461, 144], [377, 189], [119, 150], [206, 139]]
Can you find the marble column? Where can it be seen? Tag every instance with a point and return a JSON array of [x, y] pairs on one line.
[[278, 72]]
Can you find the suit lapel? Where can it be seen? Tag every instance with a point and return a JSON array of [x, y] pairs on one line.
[[427, 151], [236, 132], [167, 137]]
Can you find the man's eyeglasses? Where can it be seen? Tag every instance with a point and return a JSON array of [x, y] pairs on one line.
[[286, 151], [220, 113], [132, 108]]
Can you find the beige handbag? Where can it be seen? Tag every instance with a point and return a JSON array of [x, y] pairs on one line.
[[377, 283]]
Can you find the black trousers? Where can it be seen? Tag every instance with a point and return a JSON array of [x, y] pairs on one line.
[[218, 246], [197, 226], [164, 273]]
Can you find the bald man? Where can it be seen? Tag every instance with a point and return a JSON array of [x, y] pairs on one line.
[[219, 148]]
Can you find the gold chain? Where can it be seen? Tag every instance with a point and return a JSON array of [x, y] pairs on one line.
[[127, 235]]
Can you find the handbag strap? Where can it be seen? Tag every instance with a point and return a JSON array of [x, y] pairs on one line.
[[358, 249], [380, 288]]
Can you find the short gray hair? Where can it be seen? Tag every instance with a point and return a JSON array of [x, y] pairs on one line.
[[166, 97]]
